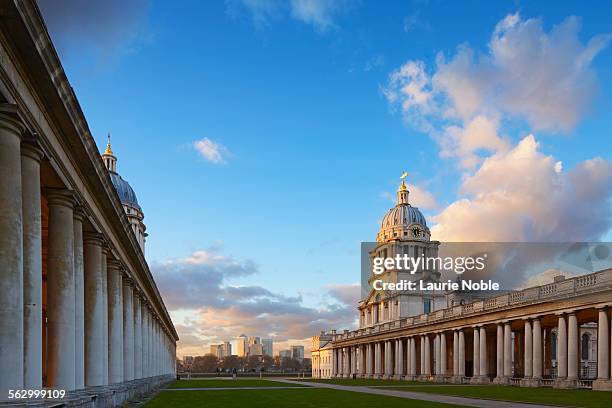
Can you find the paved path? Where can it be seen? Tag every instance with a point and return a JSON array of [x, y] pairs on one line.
[[447, 399], [234, 388]]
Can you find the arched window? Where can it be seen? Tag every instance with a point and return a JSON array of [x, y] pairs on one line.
[[584, 347]]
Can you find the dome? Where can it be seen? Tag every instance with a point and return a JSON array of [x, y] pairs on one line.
[[124, 190], [403, 215], [403, 221]]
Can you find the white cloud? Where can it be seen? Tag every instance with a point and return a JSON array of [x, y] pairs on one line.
[[522, 195], [211, 151], [543, 78], [511, 191], [206, 300], [320, 14]]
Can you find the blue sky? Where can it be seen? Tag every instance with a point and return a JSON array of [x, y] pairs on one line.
[[312, 133]]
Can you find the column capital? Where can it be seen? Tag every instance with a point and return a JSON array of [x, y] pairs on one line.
[[30, 149], [79, 213], [10, 119], [127, 280], [113, 263], [59, 196], [95, 238]]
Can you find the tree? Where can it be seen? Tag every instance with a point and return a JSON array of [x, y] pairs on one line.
[[253, 363], [277, 362], [205, 364], [267, 363], [231, 362]]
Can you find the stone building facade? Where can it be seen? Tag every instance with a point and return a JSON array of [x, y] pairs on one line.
[[321, 352], [555, 335], [79, 309]]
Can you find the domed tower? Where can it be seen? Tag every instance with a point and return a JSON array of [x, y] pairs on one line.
[[126, 195], [403, 231]]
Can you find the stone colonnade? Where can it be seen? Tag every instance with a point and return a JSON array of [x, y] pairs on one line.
[[503, 352], [72, 315]]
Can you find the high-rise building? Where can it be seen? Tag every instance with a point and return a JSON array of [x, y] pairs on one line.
[[268, 346], [221, 350], [227, 349], [254, 340], [242, 345], [284, 353], [297, 352], [256, 350]]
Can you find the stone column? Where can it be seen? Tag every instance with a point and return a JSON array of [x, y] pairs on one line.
[[334, 362], [427, 357], [144, 312], [500, 352], [603, 345], [128, 330], [94, 311], [443, 354], [60, 291], [528, 350], [461, 353], [115, 322], [409, 358], [104, 269], [378, 358], [484, 361], [341, 362], [388, 359], [455, 353], [507, 350], [572, 346], [437, 354], [363, 367], [369, 368], [11, 253], [561, 348], [32, 267], [79, 302], [537, 348], [137, 335], [413, 359], [400, 357], [476, 353]]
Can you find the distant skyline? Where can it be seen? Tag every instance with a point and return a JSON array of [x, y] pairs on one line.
[[265, 139]]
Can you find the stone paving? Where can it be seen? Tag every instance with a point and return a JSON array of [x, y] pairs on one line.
[[447, 399]]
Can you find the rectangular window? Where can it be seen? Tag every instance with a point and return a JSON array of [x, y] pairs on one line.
[[426, 305]]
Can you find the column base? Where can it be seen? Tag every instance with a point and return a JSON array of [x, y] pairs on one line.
[[398, 377], [565, 383], [409, 377], [481, 379], [602, 385], [501, 380], [530, 382]]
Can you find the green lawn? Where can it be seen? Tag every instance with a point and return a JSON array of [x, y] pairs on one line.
[[365, 382], [228, 383], [295, 398], [549, 396]]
